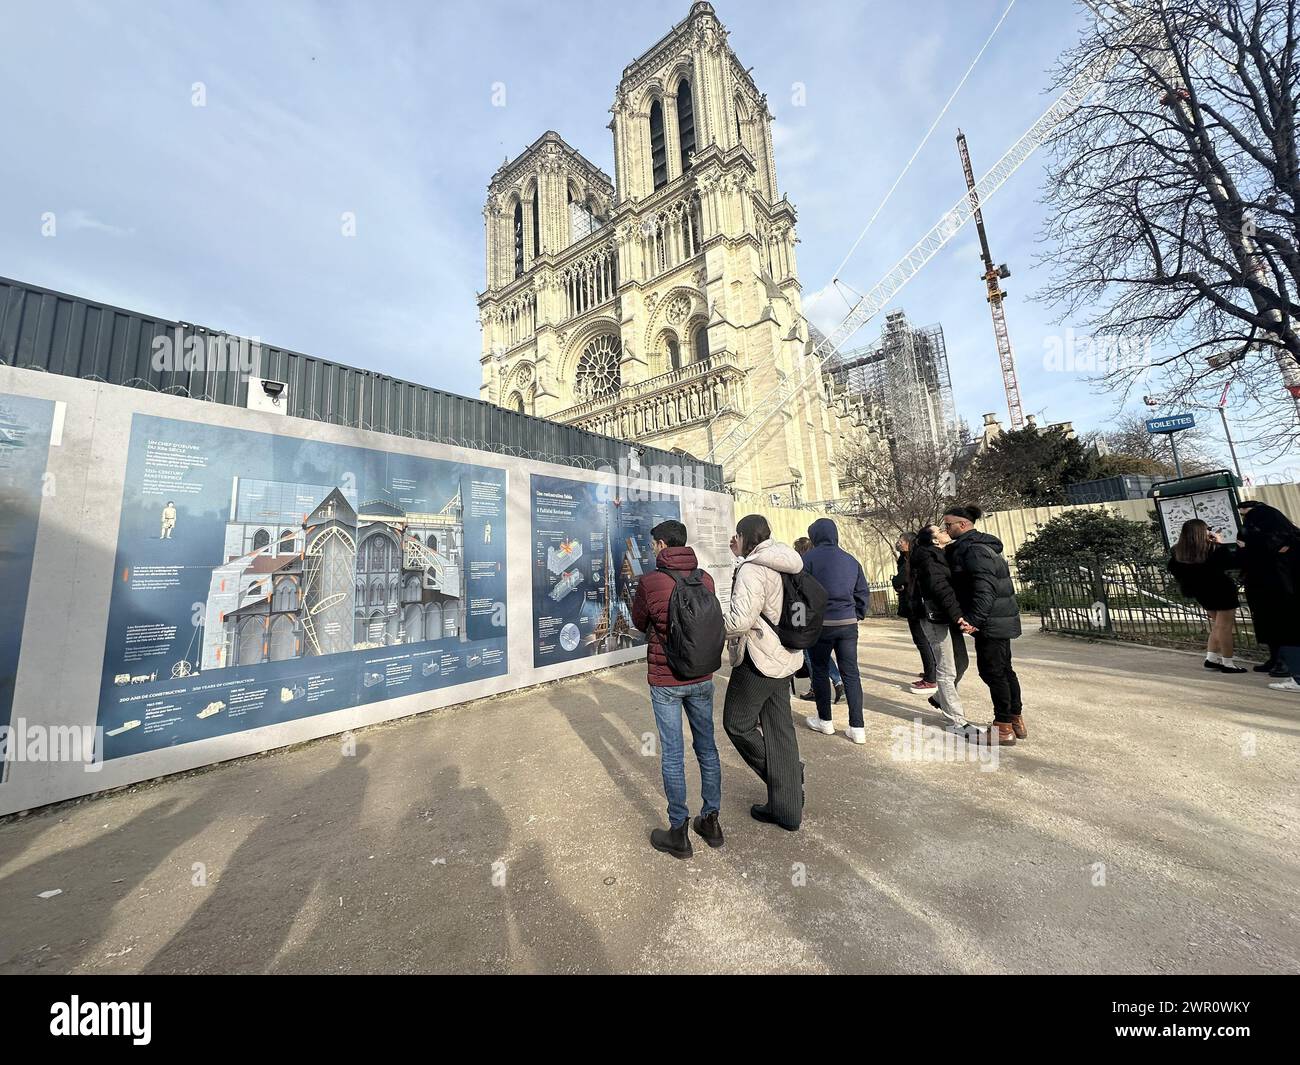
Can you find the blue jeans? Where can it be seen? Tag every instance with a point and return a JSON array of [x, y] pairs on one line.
[[1290, 656], [843, 640], [697, 700], [835, 673]]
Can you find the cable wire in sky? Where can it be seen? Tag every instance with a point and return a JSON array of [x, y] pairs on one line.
[[924, 139]]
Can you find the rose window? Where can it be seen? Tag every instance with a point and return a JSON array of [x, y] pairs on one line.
[[598, 369]]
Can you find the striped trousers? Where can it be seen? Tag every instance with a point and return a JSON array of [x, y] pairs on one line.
[[756, 715]]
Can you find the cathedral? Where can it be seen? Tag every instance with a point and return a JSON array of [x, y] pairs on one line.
[[663, 306]]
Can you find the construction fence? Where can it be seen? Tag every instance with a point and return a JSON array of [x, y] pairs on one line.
[[1096, 598], [1012, 527]]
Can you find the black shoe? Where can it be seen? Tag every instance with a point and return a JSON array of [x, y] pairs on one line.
[[839, 692], [808, 696], [1210, 665], [1266, 667], [708, 829], [934, 701], [762, 813], [675, 841], [1233, 669], [1279, 671]]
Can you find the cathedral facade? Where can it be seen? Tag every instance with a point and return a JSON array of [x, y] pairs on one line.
[[663, 306]]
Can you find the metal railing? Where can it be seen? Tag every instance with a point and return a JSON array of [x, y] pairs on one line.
[[1135, 601]]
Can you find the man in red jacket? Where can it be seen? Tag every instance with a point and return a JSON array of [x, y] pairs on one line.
[[670, 695]]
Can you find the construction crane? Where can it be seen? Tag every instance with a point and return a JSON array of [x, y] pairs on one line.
[[993, 277], [727, 446]]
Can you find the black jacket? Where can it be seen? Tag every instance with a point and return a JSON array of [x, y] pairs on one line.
[[1272, 576], [933, 582], [1273, 591], [1208, 582], [903, 582], [982, 580]]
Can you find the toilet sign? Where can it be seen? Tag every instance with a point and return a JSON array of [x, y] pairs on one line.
[[1172, 423]]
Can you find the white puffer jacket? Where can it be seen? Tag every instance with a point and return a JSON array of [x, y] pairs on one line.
[[756, 589]]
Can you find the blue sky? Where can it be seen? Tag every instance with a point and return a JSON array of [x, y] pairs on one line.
[[229, 215]]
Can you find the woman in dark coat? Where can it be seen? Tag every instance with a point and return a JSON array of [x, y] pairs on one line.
[[939, 617], [1199, 562], [1272, 576], [908, 608]]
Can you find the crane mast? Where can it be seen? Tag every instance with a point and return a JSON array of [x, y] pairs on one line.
[[993, 276], [730, 444]]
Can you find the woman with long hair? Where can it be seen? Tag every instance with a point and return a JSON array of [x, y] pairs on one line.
[[941, 618], [1272, 576], [1199, 562], [756, 713]]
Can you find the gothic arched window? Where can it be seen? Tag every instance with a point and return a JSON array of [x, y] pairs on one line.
[[519, 238], [599, 374], [686, 122], [537, 227], [658, 149], [674, 354], [701, 343], [260, 539]]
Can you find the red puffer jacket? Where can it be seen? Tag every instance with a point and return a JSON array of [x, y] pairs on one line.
[[650, 612]]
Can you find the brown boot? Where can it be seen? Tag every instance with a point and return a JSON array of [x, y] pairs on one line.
[[998, 734], [1018, 727]]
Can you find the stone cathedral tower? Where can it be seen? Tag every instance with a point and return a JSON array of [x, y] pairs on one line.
[[662, 307]]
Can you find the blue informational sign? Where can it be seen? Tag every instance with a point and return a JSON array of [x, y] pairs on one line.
[[591, 545], [1172, 424], [25, 426], [264, 578]]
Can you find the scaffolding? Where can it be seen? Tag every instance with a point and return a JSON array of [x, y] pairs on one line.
[[904, 375]]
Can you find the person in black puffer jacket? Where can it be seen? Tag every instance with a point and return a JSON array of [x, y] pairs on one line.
[[909, 608], [982, 581], [936, 605]]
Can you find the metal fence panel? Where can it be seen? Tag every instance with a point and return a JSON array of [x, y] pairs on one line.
[[1140, 602], [58, 333]]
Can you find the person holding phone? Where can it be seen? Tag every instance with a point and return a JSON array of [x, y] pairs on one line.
[[1199, 562]]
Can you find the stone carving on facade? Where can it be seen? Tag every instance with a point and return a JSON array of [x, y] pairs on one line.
[[637, 281]]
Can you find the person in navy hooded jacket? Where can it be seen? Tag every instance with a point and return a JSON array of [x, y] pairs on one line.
[[847, 597]]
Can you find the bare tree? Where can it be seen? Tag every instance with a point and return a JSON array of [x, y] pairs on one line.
[[1127, 438], [898, 488], [1175, 190]]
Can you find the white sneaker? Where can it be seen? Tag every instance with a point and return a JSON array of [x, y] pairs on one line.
[[1288, 685], [815, 723], [857, 735]]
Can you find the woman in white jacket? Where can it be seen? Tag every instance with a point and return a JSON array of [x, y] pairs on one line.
[[756, 714]]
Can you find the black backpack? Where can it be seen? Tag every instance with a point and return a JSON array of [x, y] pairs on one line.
[[803, 599], [696, 635]]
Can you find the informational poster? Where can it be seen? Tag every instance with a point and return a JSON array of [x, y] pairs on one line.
[[25, 426], [710, 527], [591, 546], [1216, 508], [264, 578]]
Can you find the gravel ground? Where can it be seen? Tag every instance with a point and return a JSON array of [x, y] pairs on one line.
[[1147, 825]]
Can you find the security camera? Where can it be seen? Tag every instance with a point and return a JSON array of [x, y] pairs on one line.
[[274, 389]]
